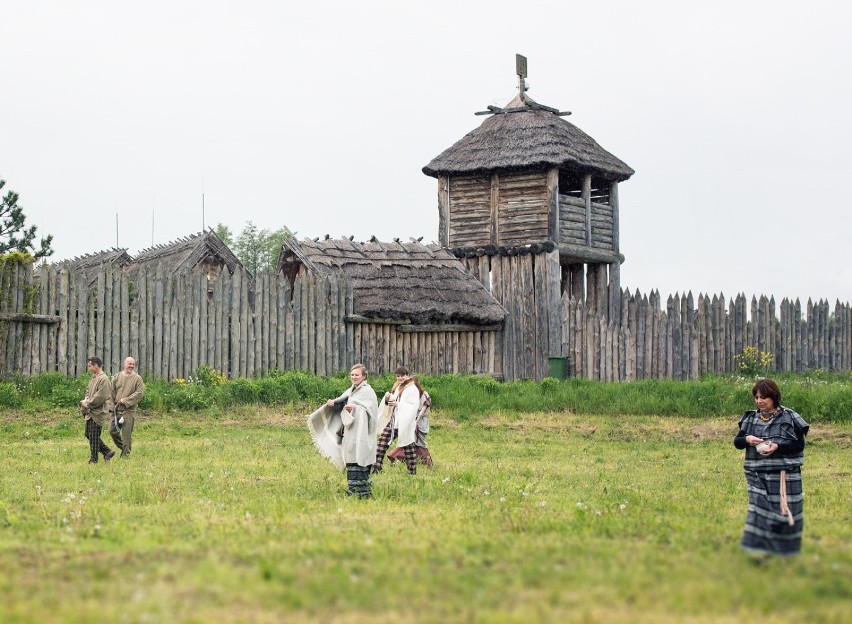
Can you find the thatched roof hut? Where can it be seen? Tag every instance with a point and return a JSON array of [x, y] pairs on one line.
[[422, 283], [525, 135], [525, 177], [91, 264], [202, 250], [116, 257]]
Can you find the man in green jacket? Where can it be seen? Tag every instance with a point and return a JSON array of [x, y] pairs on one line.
[[127, 390], [97, 407]]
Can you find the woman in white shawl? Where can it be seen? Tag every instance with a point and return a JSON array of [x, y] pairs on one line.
[[405, 401], [348, 436]]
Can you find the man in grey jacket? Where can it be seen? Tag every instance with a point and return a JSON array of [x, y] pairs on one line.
[[97, 407], [127, 390]]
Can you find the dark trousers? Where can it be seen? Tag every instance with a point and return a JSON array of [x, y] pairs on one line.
[[123, 434], [96, 445], [388, 435]]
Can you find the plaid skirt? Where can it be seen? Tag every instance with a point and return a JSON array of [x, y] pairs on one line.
[[358, 481], [768, 530]]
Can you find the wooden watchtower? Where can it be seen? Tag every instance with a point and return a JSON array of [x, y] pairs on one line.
[[529, 185]]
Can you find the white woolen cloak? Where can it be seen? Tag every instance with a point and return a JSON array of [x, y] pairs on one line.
[[358, 445], [359, 426], [406, 415]]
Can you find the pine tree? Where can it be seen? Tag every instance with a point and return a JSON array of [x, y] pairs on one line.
[[14, 234]]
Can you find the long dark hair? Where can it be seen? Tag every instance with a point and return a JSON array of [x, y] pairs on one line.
[[416, 381]]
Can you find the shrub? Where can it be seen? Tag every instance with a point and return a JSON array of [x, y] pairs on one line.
[[753, 363], [209, 377], [243, 390], [189, 397], [44, 385], [276, 390], [9, 397], [549, 385]]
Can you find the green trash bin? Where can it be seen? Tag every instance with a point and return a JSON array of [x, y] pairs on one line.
[[558, 366]]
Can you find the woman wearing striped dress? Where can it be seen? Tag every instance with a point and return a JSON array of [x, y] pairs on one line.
[[773, 437]]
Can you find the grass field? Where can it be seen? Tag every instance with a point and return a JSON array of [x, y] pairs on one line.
[[540, 518]]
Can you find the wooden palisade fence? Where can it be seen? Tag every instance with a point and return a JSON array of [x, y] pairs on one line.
[[173, 324], [687, 338]]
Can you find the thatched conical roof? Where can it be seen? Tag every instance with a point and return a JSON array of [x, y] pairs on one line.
[[526, 136], [422, 283]]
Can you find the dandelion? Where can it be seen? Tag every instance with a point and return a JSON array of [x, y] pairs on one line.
[[97, 528], [542, 503], [486, 492], [598, 513], [445, 479], [622, 506], [340, 510], [502, 499]]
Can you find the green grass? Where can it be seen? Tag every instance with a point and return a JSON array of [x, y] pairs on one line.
[[534, 518], [820, 396]]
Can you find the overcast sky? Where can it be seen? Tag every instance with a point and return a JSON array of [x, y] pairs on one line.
[[736, 116]]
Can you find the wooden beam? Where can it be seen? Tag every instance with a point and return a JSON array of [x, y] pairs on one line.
[[495, 209], [357, 318], [444, 210], [448, 328], [613, 201], [553, 191], [587, 200], [576, 254], [30, 318]]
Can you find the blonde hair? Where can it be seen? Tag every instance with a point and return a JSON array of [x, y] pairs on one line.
[[362, 367]]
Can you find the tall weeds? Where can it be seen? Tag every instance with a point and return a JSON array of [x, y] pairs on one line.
[[818, 396]]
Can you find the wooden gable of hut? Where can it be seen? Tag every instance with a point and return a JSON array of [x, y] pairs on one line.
[[403, 282], [202, 251]]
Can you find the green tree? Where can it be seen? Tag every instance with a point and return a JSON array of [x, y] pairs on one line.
[[225, 234], [14, 233], [257, 249]]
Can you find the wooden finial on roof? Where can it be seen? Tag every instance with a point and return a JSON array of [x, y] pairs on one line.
[[523, 87]]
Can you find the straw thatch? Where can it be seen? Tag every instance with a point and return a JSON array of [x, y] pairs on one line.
[[184, 254], [523, 136], [113, 257], [421, 283]]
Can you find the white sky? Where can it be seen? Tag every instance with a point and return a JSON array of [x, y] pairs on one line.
[[320, 115]]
